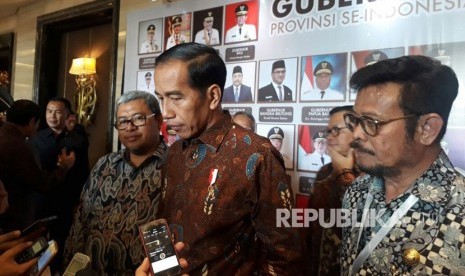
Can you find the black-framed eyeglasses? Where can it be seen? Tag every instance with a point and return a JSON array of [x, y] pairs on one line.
[[333, 131], [369, 125], [136, 120]]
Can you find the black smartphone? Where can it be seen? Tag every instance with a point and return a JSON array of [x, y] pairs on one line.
[[33, 251], [159, 248], [38, 225]]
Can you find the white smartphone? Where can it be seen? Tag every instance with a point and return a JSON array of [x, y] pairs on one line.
[[45, 259], [78, 262], [159, 248]]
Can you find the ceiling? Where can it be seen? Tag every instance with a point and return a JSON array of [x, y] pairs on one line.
[[9, 7]]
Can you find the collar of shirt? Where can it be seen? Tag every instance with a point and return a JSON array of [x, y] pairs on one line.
[[213, 136], [160, 153], [49, 132], [275, 85], [433, 192]]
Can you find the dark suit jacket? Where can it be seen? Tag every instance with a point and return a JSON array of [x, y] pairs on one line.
[[268, 94], [244, 96]]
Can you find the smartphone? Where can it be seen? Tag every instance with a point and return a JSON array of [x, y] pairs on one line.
[[33, 251], [159, 248], [38, 225], [45, 259], [78, 262]]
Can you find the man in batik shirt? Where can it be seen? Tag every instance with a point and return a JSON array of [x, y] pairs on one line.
[[410, 202], [224, 183], [123, 191]]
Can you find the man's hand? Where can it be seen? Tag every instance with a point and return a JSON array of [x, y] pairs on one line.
[[340, 162], [144, 268], [3, 198], [14, 238], [9, 240], [66, 160], [8, 264]]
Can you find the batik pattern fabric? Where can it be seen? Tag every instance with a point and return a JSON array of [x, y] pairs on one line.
[[324, 242], [433, 228], [221, 196], [116, 200]]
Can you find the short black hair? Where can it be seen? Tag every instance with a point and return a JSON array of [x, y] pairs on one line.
[[204, 64], [427, 86], [22, 111], [341, 108], [63, 100]]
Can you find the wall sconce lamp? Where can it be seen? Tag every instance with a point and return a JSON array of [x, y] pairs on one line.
[[85, 99]]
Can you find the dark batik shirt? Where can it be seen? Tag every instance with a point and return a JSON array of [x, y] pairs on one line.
[[324, 243], [434, 226], [229, 226], [116, 199]]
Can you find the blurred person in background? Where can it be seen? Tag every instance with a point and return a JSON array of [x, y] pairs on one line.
[[330, 185], [47, 143]]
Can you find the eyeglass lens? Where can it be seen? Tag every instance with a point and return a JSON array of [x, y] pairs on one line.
[[368, 124], [136, 120]]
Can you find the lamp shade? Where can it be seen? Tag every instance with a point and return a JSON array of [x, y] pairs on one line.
[[83, 66]]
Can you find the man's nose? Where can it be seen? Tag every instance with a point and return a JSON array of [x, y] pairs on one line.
[[359, 134], [167, 111]]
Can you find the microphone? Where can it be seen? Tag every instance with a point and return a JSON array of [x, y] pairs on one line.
[[79, 265]]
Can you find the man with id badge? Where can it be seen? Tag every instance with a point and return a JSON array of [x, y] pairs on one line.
[[224, 183], [410, 201]]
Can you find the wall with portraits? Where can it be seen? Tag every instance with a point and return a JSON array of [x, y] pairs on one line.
[[292, 60]]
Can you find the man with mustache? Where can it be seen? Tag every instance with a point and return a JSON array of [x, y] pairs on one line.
[[410, 201], [123, 190]]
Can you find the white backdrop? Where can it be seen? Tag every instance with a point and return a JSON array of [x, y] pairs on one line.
[[305, 35]]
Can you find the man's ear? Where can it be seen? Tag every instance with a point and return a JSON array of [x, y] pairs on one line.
[[214, 96], [32, 122], [428, 128]]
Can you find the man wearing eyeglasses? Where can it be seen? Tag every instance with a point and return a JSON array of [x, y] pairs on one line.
[[331, 182], [410, 202], [122, 191]]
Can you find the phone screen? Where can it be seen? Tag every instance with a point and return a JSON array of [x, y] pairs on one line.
[[160, 249], [47, 256]]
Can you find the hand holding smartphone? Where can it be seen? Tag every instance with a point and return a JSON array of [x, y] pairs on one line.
[[34, 251], [45, 259], [159, 248]]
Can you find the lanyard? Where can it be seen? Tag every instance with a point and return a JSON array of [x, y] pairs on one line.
[[386, 227]]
